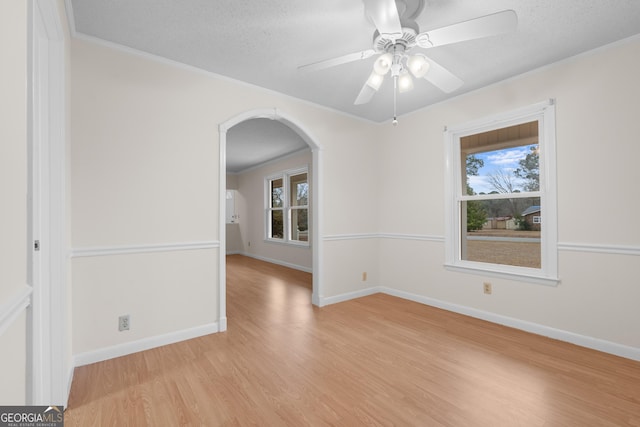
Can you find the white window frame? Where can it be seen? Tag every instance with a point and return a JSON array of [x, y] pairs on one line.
[[544, 113], [286, 207]]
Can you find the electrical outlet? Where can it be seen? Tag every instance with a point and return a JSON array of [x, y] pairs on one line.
[[364, 276], [124, 323], [487, 288]]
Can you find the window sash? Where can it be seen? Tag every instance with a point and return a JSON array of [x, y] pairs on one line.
[[296, 234], [499, 196], [289, 180], [544, 113], [271, 218], [274, 195], [296, 180]]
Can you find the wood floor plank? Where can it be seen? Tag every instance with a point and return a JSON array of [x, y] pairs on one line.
[[375, 361]]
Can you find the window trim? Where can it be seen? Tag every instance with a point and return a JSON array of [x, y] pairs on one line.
[[270, 210], [286, 207], [544, 113]]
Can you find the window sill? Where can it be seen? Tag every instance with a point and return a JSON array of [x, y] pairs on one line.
[[526, 275]]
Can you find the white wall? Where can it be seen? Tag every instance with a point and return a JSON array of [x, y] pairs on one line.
[[13, 192], [144, 178], [233, 236], [144, 166], [232, 181], [250, 202], [350, 240], [164, 293], [144, 173], [597, 152]]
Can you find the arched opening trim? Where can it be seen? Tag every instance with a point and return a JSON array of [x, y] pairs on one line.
[[316, 202]]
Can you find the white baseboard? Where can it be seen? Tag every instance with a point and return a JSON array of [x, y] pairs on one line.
[[315, 299], [222, 324], [69, 382], [278, 262], [124, 349], [616, 349], [535, 328], [143, 344], [348, 296]]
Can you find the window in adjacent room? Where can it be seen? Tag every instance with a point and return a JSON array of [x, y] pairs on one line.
[[501, 184], [275, 212], [287, 212]]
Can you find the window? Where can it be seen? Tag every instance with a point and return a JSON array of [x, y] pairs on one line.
[[500, 183], [276, 209], [287, 211]]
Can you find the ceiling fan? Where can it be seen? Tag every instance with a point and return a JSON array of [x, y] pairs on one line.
[[397, 34]]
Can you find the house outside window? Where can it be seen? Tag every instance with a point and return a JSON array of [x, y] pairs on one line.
[[287, 207], [500, 182], [531, 216]]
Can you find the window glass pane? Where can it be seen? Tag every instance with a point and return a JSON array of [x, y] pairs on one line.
[[288, 206], [501, 161], [502, 231], [299, 190], [300, 225], [276, 189], [277, 225]]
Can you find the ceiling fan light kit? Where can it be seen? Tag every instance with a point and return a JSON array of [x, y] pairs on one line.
[[397, 34], [375, 80], [405, 82], [418, 65], [382, 65]]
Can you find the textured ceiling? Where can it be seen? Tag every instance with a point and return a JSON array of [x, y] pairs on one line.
[[263, 42]]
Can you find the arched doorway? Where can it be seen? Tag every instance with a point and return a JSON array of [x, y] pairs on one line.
[[315, 179]]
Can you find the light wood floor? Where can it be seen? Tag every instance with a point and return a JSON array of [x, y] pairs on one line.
[[377, 360]]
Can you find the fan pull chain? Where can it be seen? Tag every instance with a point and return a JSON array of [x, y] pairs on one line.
[[395, 95]]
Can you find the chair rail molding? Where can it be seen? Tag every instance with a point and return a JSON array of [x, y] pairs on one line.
[[140, 249], [14, 306]]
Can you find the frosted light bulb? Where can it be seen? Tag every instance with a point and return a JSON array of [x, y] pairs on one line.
[[383, 64]]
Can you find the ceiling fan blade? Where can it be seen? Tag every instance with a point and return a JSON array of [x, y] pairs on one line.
[[327, 63], [441, 77], [365, 95], [384, 15], [485, 26]]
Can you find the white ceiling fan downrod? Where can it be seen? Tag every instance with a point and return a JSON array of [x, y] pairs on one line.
[[395, 96], [396, 68]]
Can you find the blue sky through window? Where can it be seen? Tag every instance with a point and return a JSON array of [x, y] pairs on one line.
[[505, 160]]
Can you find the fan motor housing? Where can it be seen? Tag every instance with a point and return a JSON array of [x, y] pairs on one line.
[[385, 42]]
